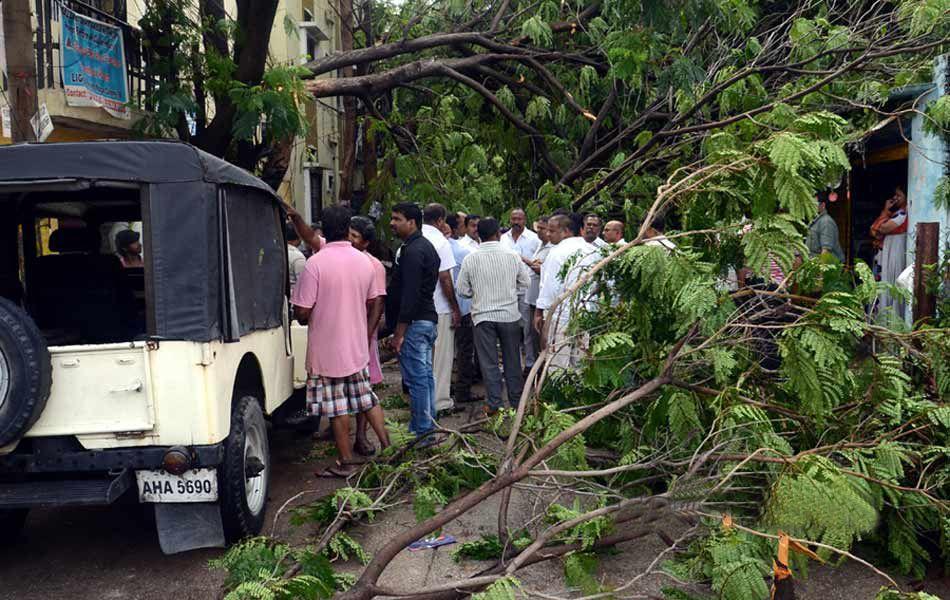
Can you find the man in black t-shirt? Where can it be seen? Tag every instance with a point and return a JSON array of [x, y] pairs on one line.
[[411, 313]]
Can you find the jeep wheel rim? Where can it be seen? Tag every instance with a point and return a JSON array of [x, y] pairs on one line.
[[5, 377], [255, 447]]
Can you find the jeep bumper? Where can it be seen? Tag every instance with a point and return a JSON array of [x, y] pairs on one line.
[[57, 472]]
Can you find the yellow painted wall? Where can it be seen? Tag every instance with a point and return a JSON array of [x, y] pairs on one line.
[[68, 134]]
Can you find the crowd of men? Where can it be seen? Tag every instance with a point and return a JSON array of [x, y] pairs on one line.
[[463, 291]]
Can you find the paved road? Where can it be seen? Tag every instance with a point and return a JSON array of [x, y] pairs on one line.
[[112, 553]]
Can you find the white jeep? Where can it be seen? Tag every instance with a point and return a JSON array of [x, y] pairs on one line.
[[152, 380]]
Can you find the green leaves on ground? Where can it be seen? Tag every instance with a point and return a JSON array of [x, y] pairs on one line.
[[580, 571], [255, 571], [586, 533], [427, 501], [488, 547], [343, 500], [505, 588]]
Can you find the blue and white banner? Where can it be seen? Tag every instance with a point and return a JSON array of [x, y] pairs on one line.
[[93, 59]]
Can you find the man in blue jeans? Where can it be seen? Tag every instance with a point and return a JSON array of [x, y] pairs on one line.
[[411, 313]]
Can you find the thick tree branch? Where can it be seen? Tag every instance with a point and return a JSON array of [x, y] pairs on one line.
[[361, 56], [363, 590], [377, 83], [591, 136], [537, 136], [250, 54]]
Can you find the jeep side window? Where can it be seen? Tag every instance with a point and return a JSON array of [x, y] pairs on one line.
[[79, 289]]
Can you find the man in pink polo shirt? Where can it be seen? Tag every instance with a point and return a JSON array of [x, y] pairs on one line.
[[333, 289]]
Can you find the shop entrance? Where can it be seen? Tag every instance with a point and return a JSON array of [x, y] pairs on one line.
[[875, 172]]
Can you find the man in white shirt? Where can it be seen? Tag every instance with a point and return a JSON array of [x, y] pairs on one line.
[[465, 361], [470, 240], [593, 225], [525, 243], [446, 306], [613, 233], [534, 288], [296, 261], [564, 233]]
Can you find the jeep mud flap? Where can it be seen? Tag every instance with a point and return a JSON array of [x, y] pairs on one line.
[[189, 526]]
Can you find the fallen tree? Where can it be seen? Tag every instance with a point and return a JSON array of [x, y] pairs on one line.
[[835, 444], [749, 414], [592, 102]]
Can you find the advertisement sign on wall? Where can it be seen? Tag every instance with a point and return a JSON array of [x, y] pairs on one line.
[[42, 123], [94, 70]]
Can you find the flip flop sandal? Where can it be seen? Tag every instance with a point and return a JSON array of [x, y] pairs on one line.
[[334, 471]]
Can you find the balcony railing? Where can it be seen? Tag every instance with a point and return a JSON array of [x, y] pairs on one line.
[[47, 42]]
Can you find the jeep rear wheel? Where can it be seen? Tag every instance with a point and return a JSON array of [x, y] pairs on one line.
[[244, 476], [25, 372]]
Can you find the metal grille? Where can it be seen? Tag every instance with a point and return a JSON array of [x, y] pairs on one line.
[[47, 42]]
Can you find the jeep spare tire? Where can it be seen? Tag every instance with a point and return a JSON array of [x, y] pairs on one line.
[[25, 372]]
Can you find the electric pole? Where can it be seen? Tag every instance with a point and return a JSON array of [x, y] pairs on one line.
[[21, 68]]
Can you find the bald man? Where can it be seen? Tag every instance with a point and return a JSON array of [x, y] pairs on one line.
[[613, 233]]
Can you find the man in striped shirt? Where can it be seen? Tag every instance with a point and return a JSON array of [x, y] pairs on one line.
[[493, 277]]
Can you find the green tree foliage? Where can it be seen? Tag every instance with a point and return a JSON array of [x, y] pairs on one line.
[[197, 79], [505, 588], [342, 547], [487, 547], [787, 408], [255, 570], [426, 502], [588, 83], [580, 571], [343, 500], [588, 532], [817, 501]]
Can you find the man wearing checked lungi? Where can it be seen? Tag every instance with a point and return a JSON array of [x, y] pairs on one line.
[[331, 297]]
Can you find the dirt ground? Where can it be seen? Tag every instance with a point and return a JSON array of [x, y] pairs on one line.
[[112, 553]]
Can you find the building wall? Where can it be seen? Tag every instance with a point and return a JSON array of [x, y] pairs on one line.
[[318, 151], [72, 123], [926, 166], [316, 157]]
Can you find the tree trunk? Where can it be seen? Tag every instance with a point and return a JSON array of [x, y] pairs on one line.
[[348, 166], [370, 166], [277, 162], [255, 20], [369, 155], [21, 68], [215, 41]]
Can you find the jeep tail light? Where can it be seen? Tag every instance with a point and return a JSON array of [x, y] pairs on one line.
[[177, 460]]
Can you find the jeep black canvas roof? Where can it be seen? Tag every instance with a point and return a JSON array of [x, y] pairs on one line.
[[215, 252], [147, 161]]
